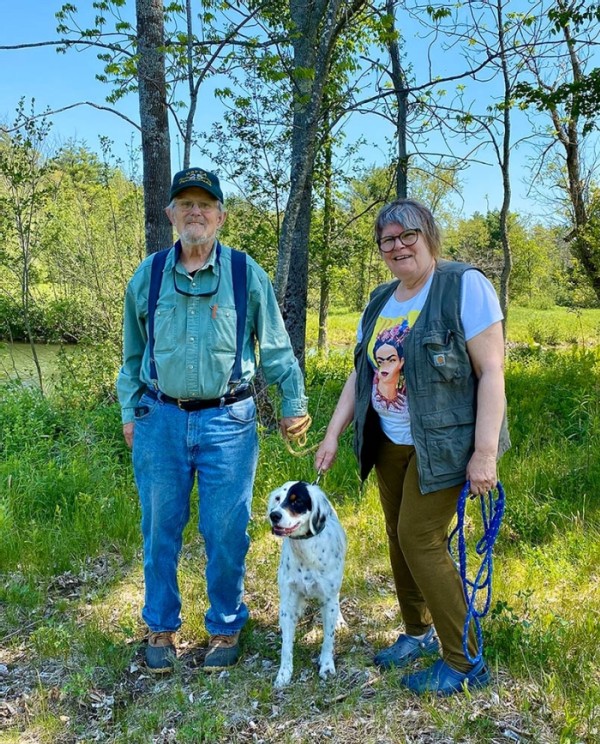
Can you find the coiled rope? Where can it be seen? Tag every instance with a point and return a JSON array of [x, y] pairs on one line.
[[492, 510], [296, 434]]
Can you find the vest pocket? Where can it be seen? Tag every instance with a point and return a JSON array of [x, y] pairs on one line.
[[449, 437], [442, 361]]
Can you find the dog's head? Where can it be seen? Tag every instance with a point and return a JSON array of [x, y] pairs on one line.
[[297, 509]]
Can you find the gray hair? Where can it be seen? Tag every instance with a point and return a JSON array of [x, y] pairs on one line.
[[412, 215]]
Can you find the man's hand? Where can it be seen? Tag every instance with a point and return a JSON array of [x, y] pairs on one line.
[[294, 427], [128, 434]]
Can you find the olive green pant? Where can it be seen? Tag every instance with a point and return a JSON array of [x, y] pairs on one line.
[[428, 585]]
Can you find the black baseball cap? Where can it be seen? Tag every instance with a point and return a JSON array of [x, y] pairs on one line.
[[197, 177]]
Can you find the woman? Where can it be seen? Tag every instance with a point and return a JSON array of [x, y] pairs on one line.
[[451, 427]]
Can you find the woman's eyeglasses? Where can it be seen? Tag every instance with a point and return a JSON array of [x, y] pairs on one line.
[[406, 238]]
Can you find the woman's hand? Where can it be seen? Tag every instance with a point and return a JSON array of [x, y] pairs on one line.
[[342, 416], [487, 357], [482, 473], [326, 453]]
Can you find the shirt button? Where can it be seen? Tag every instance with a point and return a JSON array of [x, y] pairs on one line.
[[190, 366], [191, 339]]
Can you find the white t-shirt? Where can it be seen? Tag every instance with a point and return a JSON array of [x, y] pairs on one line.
[[479, 309]]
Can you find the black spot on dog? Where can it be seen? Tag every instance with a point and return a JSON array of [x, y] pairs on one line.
[[297, 500]]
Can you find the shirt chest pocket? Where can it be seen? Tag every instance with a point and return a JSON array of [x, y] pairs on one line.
[[441, 356], [165, 332], [222, 329]]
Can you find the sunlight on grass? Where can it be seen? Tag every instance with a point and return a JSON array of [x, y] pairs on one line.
[[72, 588]]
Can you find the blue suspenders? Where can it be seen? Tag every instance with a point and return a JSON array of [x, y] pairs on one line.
[[238, 273]]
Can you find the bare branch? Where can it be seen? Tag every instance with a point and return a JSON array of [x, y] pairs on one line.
[[71, 106], [68, 43]]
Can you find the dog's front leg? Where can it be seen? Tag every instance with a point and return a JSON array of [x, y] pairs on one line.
[[330, 613], [289, 612]]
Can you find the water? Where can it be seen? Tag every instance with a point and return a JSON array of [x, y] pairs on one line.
[[16, 362]]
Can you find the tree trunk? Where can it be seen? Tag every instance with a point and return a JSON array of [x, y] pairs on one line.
[[505, 168], [326, 251], [315, 24], [294, 306], [156, 153], [401, 93]]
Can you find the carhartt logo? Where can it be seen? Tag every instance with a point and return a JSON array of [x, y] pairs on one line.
[[439, 360]]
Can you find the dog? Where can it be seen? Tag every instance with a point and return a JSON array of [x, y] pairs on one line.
[[311, 567]]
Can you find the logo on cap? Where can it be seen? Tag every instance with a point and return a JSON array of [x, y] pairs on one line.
[[195, 175]]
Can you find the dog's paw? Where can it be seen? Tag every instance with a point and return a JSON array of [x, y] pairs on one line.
[[326, 668], [283, 678]]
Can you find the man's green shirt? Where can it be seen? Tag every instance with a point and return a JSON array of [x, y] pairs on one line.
[[195, 336]]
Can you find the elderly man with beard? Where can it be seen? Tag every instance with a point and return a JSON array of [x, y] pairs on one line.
[[189, 416]]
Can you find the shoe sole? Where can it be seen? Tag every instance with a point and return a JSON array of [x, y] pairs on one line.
[[159, 670], [477, 683], [219, 668]]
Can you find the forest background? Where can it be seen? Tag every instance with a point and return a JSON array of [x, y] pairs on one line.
[[290, 80]]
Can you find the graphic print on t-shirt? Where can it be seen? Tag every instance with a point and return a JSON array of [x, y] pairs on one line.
[[386, 353]]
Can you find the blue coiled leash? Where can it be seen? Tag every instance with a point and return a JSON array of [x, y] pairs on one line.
[[492, 510]]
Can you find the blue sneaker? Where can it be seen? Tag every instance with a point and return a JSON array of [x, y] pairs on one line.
[[442, 679], [406, 649]]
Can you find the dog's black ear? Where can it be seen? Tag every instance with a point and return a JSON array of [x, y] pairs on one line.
[[318, 515]]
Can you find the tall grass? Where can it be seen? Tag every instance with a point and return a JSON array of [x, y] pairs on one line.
[[71, 586]]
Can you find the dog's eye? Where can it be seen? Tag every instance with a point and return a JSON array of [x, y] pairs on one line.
[[292, 497]]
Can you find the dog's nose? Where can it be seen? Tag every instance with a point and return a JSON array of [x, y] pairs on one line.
[[275, 517]]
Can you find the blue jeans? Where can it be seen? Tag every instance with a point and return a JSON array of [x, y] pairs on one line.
[[170, 447]]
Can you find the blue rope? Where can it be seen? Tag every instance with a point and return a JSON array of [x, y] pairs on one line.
[[492, 509]]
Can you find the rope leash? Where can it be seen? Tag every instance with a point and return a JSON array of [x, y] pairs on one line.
[[296, 434], [492, 510]]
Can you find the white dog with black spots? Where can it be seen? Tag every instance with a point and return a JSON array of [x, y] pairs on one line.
[[311, 567]]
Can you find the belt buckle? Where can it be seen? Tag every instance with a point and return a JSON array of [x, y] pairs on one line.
[[180, 401]]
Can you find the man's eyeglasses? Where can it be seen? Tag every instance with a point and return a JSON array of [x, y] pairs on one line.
[[407, 238], [186, 205]]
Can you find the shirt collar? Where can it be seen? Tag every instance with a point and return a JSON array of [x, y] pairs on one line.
[[212, 259]]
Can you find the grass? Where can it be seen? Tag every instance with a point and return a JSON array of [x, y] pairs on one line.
[[556, 326], [71, 585]]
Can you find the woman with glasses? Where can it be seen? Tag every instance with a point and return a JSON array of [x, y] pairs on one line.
[[447, 427]]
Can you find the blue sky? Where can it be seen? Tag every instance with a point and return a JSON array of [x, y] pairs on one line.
[[59, 80]]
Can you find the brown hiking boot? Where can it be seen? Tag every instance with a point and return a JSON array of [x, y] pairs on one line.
[[160, 652], [223, 651]]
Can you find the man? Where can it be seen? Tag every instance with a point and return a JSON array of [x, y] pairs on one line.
[[185, 414]]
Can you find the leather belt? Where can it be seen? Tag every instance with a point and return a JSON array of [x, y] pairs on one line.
[[198, 404]]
